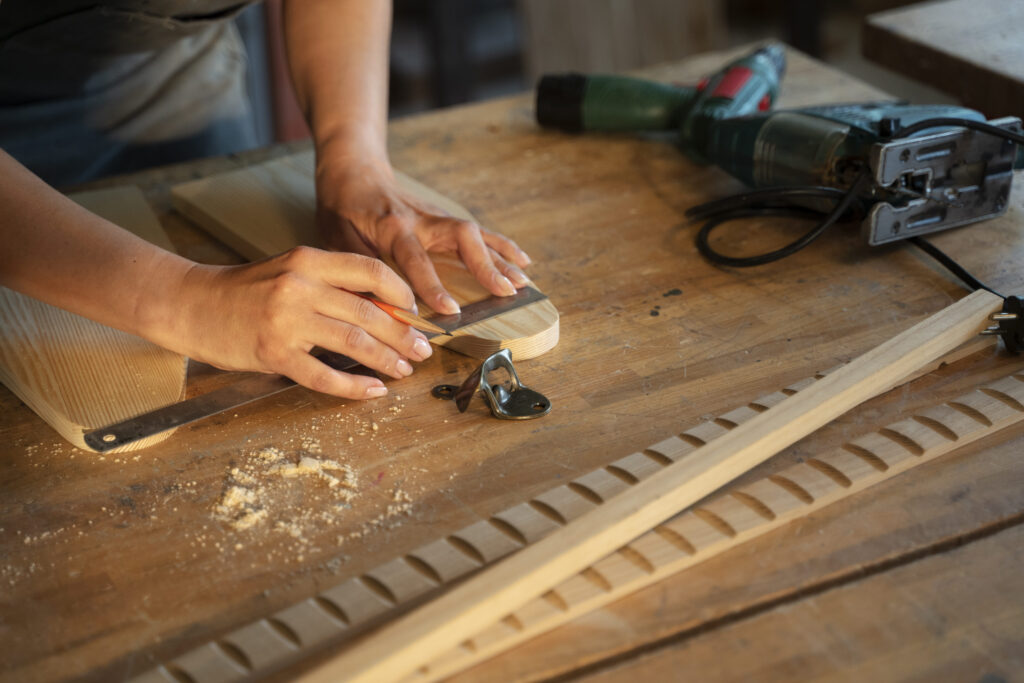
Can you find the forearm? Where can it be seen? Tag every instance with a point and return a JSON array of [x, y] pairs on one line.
[[58, 252], [338, 56]]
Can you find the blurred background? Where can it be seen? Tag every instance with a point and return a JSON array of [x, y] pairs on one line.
[[447, 52]]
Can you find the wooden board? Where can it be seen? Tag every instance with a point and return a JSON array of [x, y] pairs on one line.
[[356, 603], [743, 513], [270, 208], [953, 615], [401, 648], [971, 49], [75, 373]]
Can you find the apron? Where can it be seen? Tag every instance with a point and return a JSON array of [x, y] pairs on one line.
[[94, 87]]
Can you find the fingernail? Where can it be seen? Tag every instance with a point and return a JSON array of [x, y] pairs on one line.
[[520, 279], [403, 367], [421, 348], [376, 392], [505, 285], [449, 305], [525, 258], [415, 309]]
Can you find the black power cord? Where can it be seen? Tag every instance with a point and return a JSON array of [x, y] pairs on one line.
[[783, 201], [761, 203]]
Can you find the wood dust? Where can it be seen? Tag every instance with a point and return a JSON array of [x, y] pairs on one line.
[[296, 492], [280, 499], [276, 489]]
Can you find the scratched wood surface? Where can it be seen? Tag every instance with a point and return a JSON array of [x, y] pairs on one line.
[[110, 566]]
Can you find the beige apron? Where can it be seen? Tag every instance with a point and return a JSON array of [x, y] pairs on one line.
[[94, 87]]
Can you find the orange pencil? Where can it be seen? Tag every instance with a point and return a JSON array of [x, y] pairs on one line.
[[404, 316]]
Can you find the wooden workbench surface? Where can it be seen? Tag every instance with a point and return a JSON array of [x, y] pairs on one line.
[[970, 49], [108, 565]]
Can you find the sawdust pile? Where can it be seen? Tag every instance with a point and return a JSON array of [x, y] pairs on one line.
[[283, 498], [296, 496], [272, 487]]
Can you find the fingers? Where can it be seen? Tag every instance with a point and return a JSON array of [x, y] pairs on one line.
[[477, 257], [355, 273], [513, 273], [412, 258], [312, 374], [386, 343], [508, 249], [359, 345]]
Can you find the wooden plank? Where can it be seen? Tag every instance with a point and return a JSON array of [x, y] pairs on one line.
[[951, 615], [267, 209], [971, 49], [765, 504], [450, 558], [75, 373], [401, 648]]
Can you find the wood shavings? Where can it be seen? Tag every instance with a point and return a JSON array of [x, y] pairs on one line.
[[261, 490]]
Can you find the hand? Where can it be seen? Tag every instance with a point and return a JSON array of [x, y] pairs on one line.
[[268, 315], [362, 209]]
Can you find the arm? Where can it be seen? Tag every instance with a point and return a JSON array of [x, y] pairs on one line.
[[338, 54], [264, 316]]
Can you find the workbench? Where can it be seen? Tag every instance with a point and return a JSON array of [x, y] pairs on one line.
[[970, 49], [111, 564]]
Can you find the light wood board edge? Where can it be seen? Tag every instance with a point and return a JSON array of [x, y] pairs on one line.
[[90, 375], [746, 512], [279, 212], [411, 641], [335, 614]]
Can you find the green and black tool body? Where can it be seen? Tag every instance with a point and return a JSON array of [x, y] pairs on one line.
[[576, 103], [917, 178], [934, 178]]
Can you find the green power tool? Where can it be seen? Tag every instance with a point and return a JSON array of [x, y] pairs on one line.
[[911, 169], [908, 170], [575, 103]]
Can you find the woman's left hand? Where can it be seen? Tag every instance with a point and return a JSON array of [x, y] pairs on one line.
[[361, 208]]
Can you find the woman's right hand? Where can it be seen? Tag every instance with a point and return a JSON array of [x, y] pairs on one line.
[[267, 316]]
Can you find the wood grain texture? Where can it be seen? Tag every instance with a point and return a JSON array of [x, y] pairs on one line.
[[267, 209], [971, 49], [343, 611], [75, 373], [401, 648], [745, 512], [151, 576], [951, 616]]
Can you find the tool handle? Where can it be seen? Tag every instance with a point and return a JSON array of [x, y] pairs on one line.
[[574, 103]]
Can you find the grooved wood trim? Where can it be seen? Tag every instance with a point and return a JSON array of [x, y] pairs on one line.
[[77, 374], [266, 209], [411, 641], [354, 602], [749, 511]]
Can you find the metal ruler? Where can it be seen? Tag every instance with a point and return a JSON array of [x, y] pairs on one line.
[[254, 388]]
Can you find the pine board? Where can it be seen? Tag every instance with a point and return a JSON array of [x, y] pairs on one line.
[[269, 208], [76, 374]]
